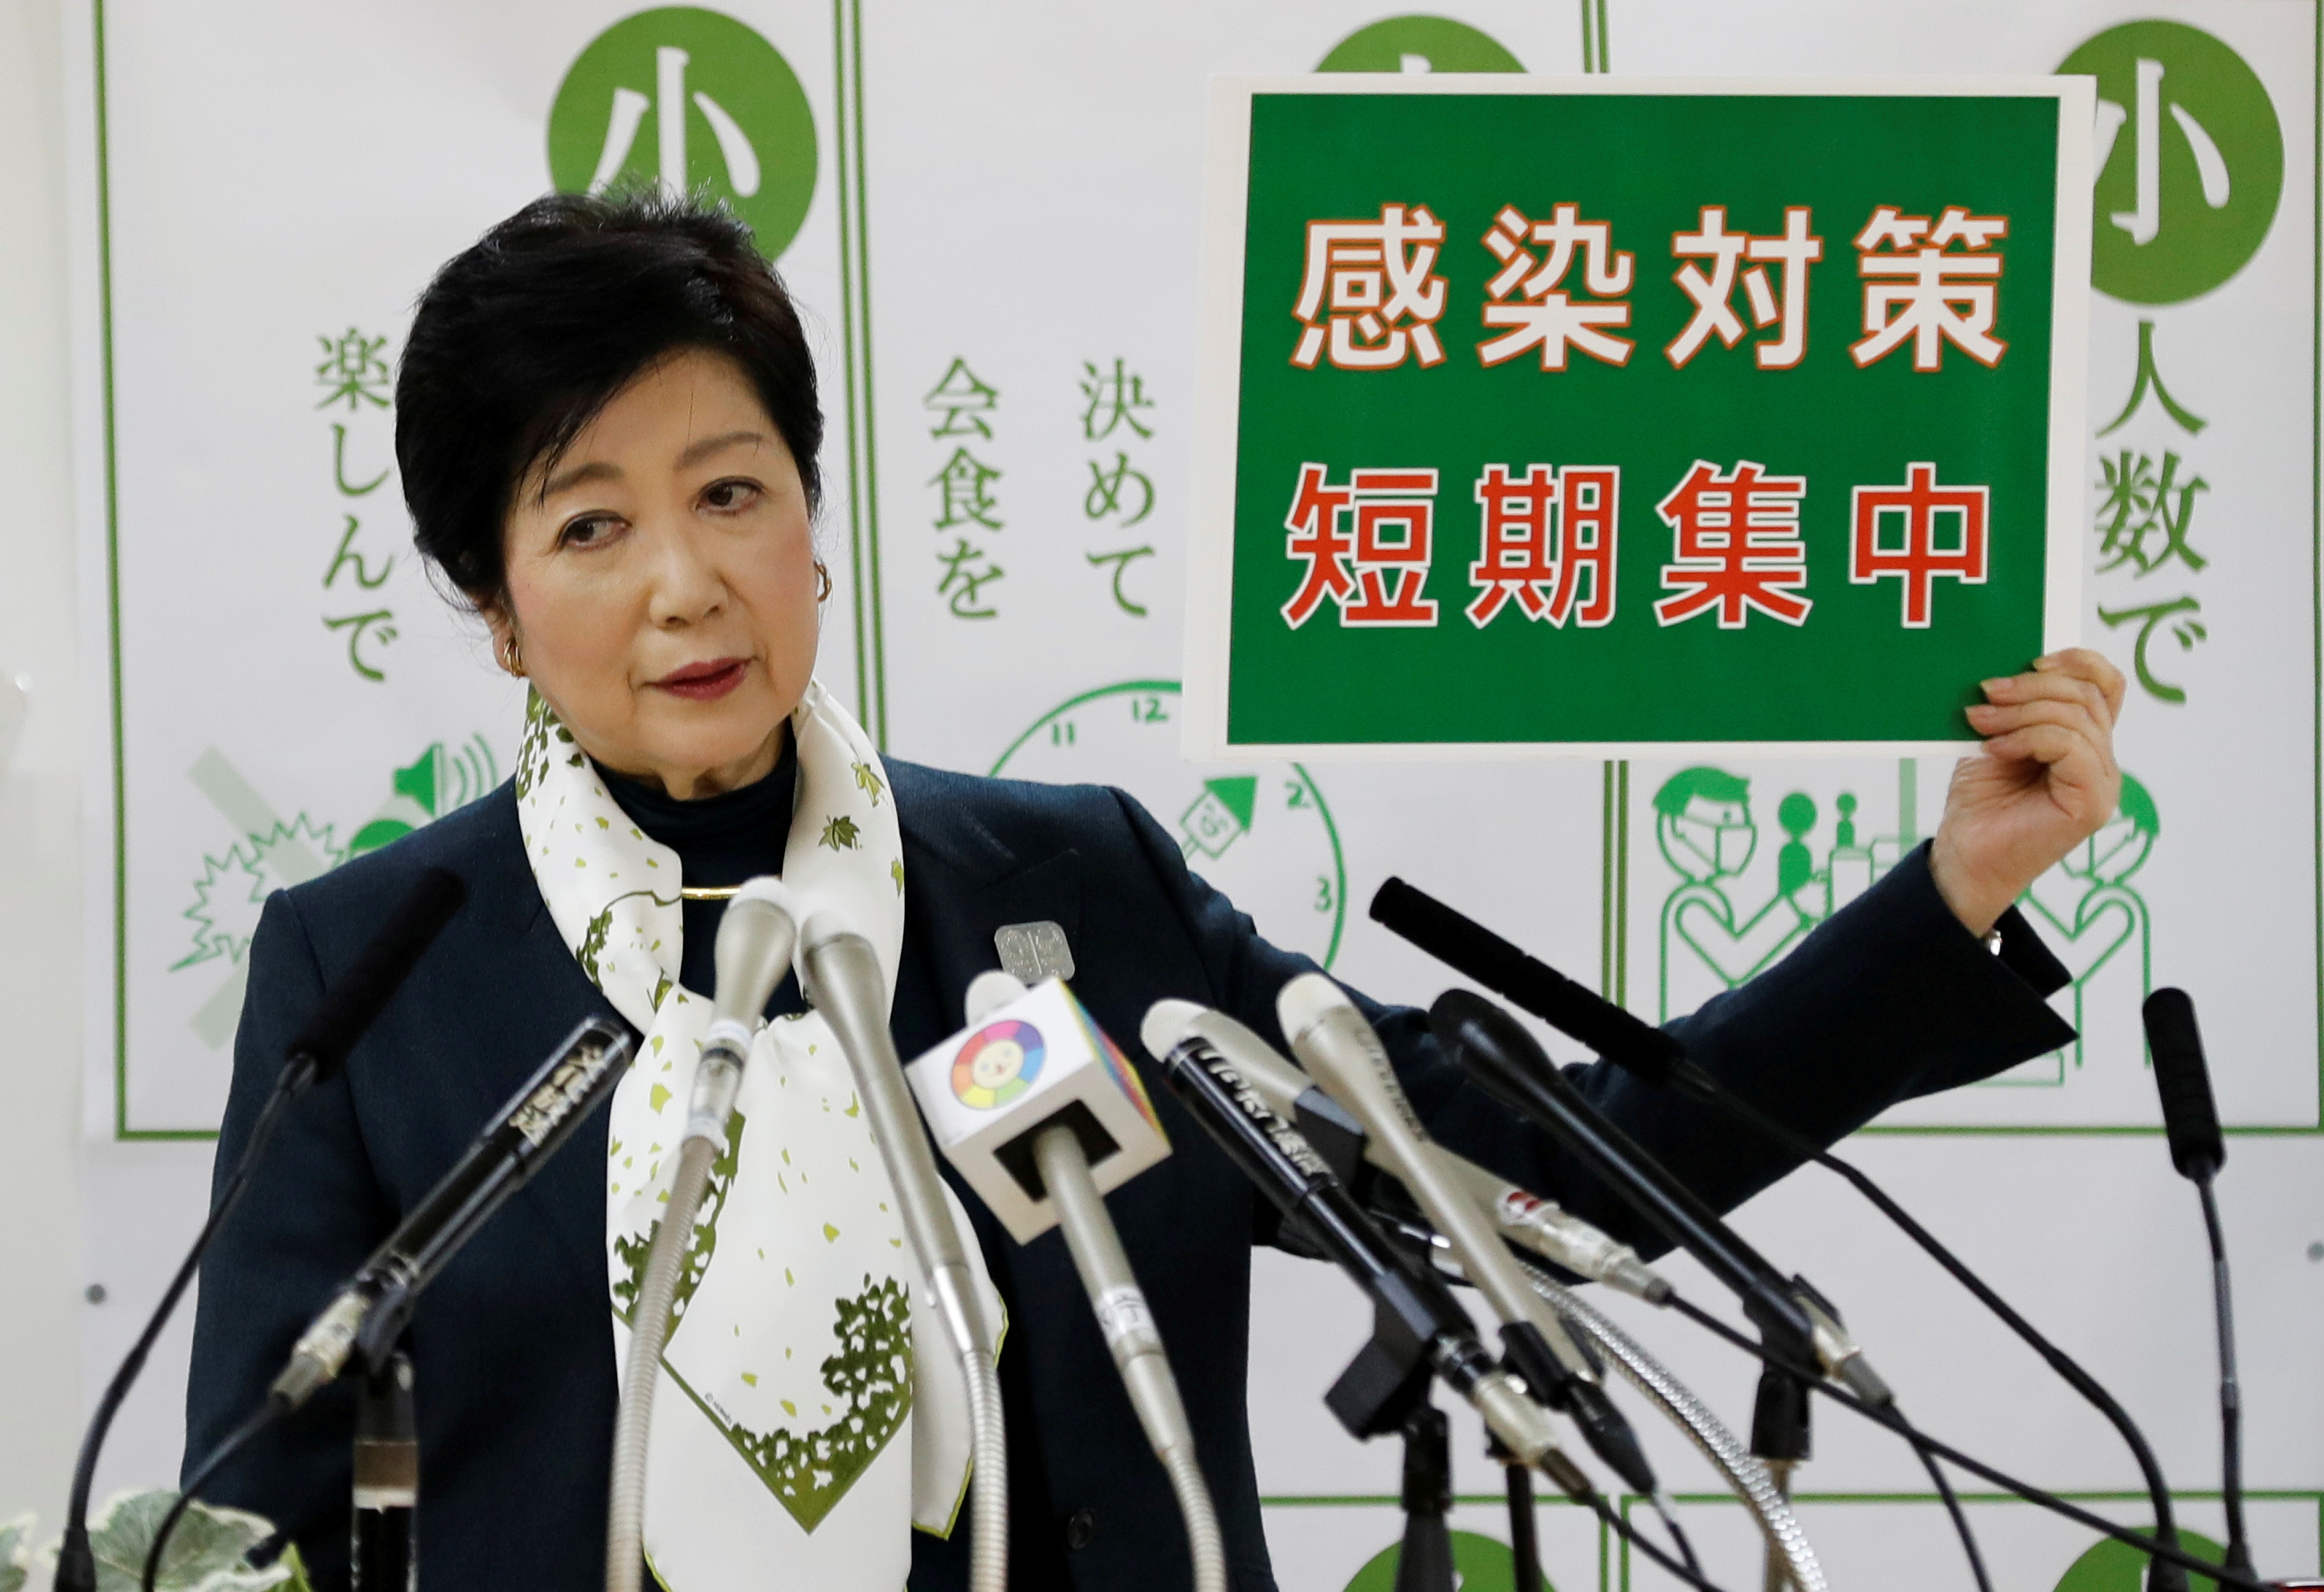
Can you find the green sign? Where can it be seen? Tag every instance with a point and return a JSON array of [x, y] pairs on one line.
[[1650, 419], [691, 101]]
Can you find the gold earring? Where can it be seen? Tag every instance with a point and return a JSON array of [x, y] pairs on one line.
[[512, 655], [823, 582]]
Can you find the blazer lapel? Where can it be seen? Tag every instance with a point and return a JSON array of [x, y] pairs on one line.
[[965, 894], [567, 1194]]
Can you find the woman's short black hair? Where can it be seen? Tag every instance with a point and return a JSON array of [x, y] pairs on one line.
[[523, 338]]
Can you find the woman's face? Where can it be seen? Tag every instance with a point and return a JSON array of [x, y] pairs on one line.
[[661, 581]]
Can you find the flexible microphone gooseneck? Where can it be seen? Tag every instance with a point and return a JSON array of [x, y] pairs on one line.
[[1493, 1048], [2199, 1149], [840, 973], [756, 935], [2163, 1555], [1408, 1300], [1335, 1042], [1654, 1057], [348, 1008]]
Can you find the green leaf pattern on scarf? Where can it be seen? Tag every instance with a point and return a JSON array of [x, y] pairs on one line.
[[873, 1372], [633, 1252]]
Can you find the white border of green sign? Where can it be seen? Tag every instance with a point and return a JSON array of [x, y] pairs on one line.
[[1210, 577]]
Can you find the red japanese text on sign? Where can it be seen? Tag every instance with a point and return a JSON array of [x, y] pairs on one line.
[[1736, 546], [1366, 546], [1541, 533], [1897, 530]]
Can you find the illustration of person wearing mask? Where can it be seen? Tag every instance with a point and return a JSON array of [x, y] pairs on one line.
[[1703, 824]]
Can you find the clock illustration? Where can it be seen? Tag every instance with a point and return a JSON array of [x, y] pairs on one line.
[[1260, 831]]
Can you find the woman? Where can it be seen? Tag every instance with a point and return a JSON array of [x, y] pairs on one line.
[[607, 430]]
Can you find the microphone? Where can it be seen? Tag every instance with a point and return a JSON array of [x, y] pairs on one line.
[[1503, 1059], [1033, 1101], [1031, 1061], [2191, 1118], [757, 934], [1575, 1010], [1413, 1306], [841, 974], [353, 1001], [1521, 1216], [369, 1313], [2191, 1121], [1335, 1042]]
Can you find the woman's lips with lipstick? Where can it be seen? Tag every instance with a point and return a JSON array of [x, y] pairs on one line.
[[705, 682]]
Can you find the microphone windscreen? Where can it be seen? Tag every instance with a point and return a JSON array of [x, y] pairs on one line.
[[1035, 1063], [1458, 942], [358, 995], [2191, 1118], [1581, 1013]]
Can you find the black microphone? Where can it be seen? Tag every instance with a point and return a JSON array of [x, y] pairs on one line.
[[1504, 1061], [353, 1001], [368, 1315], [1575, 1010], [2190, 1119], [1408, 1300]]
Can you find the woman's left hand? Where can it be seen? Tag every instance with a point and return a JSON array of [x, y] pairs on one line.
[[2044, 783]]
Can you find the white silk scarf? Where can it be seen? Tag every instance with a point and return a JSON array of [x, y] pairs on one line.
[[790, 1372]]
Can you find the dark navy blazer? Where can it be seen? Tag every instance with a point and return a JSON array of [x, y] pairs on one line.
[[513, 1346]]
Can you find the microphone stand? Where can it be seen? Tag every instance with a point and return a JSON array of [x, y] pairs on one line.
[[1385, 1389], [1782, 1440], [1525, 1543], [385, 1557], [1425, 1561]]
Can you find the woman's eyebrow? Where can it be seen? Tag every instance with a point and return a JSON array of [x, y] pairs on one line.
[[697, 452], [579, 474]]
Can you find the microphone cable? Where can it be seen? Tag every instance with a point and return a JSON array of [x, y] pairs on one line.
[[258, 1420], [1690, 1572], [348, 1008], [2167, 1554], [1656, 1058]]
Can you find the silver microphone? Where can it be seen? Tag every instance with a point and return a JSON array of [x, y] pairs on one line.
[[756, 936], [1336, 1044], [841, 975], [1051, 1128], [1523, 1217]]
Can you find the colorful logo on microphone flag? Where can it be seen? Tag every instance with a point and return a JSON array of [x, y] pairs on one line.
[[999, 1062]]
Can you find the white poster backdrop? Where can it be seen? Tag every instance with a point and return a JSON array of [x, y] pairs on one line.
[[998, 260]]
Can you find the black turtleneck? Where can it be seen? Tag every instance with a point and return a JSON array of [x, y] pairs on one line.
[[722, 839]]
